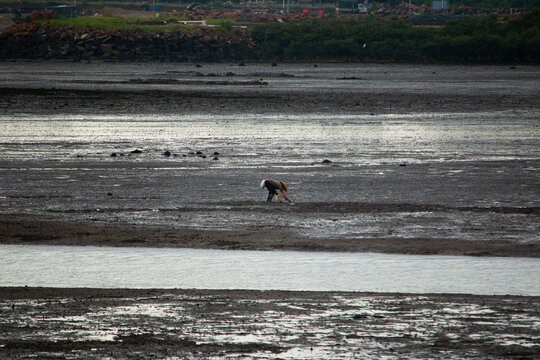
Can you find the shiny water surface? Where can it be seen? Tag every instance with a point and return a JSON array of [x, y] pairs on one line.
[[73, 266], [351, 140]]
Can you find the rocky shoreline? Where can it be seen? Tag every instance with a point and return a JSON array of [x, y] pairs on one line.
[[42, 42]]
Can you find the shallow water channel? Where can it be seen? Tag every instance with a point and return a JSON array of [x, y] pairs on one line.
[[105, 267]]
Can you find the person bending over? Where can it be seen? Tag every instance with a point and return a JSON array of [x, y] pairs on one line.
[[273, 186]]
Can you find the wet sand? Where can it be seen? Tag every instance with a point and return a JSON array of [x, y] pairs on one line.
[[205, 324]]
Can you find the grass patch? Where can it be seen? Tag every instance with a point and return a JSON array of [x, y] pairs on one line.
[[50, 3], [114, 22], [110, 22]]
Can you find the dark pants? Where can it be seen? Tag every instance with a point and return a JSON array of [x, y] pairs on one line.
[[271, 191]]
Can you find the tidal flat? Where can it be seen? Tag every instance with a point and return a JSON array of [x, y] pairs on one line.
[[421, 160], [383, 158], [207, 324]]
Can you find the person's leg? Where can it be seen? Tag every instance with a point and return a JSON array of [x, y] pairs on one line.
[[271, 190], [285, 196]]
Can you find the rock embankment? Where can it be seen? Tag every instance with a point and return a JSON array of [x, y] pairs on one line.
[[42, 42]]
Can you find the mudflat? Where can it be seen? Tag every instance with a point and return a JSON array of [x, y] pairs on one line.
[[36, 231], [210, 324], [421, 159], [227, 88]]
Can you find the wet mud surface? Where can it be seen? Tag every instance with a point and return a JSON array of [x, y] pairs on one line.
[[422, 159], [204, 324], [20, 230], [287, 88]]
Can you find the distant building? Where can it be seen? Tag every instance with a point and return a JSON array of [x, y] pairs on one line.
[[440, 5], [65, 11]]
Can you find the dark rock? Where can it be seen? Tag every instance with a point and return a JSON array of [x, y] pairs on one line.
[[136, 151], [199, 153], [215, 158], [326, 161], [360, 316], [315, 65], [204, 156], [216, 153], [274, 64], [167, 153], [402, 164], [113, 154], [109, 194]]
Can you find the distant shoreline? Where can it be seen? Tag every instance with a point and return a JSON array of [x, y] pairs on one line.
[[466, 40]]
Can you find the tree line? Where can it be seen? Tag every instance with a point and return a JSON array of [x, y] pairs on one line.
[[465, 40]]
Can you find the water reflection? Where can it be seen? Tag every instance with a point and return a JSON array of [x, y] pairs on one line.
[[64, 266], [245, 139]]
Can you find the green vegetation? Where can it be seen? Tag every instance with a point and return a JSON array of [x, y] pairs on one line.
[[494, 4], [109, 22], [486, 39], [51, 3], [112, 22], [464, 40]]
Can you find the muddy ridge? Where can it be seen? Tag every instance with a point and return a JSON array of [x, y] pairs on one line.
[[289, 101], [37, 230]]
